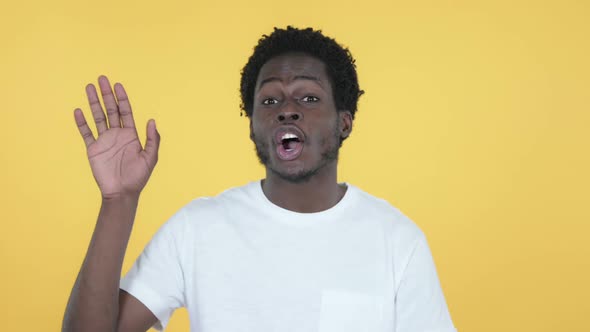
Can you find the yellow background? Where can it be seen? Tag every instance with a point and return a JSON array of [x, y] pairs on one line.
[[474, 123]]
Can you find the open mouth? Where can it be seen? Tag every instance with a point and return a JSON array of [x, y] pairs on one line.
[[289, 143]]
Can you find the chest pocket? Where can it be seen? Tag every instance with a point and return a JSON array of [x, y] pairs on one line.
[[346, 311]]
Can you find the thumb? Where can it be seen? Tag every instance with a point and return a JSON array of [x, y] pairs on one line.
[[152, 143]]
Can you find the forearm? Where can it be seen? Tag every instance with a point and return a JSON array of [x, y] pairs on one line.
[[94, 301]]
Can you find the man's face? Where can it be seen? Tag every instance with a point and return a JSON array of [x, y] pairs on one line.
[[295, 125]]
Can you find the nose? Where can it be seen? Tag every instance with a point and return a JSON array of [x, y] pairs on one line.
[[289, 113]]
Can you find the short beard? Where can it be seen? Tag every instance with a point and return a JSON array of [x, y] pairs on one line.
[[262, 151]]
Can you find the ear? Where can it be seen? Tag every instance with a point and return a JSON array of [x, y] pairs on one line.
[[345, 123], [251, 131]]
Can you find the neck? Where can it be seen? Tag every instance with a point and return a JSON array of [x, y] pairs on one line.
[[319, 193]]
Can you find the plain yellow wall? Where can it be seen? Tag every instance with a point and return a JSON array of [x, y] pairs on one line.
[[474, 123]]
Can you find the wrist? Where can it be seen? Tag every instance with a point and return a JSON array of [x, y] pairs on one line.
[[118, 210], [122, 198]]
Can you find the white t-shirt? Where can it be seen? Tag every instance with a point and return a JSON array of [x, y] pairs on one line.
[[238, 262]]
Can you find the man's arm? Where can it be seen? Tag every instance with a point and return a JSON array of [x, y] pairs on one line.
[[121, 168]]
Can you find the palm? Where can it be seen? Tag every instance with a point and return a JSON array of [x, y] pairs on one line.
[[119, 163]]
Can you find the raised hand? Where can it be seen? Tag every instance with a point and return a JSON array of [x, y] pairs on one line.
[[120, 165]]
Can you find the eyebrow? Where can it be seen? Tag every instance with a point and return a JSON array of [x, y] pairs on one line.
[[298, 77]]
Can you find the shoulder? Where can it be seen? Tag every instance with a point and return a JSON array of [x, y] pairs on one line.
[[402, 235], [215, 204], [392, 218], [201, 216], [205, 209]]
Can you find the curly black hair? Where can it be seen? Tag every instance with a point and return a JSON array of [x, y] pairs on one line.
[[340, 65]]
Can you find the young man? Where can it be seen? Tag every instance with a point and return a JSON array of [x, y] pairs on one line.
[[296, 251]]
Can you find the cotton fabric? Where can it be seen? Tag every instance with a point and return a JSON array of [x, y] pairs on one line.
[[238, 262]]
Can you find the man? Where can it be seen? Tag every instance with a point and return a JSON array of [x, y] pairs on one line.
[[296, 251]]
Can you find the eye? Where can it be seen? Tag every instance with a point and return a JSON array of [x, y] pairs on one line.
[[269, 101], [310, 99]]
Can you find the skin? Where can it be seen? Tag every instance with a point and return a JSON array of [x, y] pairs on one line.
[[292, 90], [295, 90], [121, 168]]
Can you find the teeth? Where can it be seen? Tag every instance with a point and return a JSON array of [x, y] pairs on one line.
[[288, 136]]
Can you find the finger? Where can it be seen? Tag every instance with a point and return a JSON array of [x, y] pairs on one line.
[[109, 102], [152, 144], [124, 106], [83, 127], [97, 112]]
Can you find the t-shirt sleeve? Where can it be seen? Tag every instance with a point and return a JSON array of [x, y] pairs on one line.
[[156, 278], [420, 302]]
